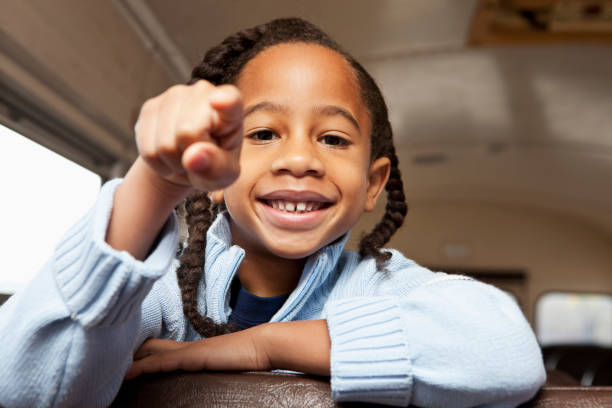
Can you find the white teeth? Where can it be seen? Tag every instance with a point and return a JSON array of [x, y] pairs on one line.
[[298, 207]]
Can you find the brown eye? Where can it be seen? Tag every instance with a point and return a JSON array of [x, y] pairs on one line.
[[333, 140], [263, 135]]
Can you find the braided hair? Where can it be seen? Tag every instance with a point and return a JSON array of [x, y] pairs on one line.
[[222, 65]]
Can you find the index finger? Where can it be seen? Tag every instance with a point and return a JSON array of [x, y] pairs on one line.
[[226, 102]]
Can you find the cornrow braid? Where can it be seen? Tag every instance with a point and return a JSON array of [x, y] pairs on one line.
[[199, 215], [381, 144], [223, 64], [395, 212], [219, 64]]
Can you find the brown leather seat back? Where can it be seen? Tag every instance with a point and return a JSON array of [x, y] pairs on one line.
[[555, 378], [214, 389], [269, 390]]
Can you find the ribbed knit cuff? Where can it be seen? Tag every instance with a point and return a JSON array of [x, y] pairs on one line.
[[369, 353], [100, 285]]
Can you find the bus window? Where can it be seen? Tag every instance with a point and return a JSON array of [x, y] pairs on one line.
[[43, 195], [574, 318]]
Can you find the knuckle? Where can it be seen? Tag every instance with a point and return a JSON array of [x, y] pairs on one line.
[[175, 91], [166, 149], [147, 110], [233, 88], [140, 138], [185, 128], [150, 157], [137, 126], [202, 84], [149, 105]]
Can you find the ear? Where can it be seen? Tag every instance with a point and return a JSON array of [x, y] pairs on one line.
[[216, 196], [377, 178]]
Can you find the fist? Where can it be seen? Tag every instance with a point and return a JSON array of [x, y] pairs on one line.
[[190, 135]]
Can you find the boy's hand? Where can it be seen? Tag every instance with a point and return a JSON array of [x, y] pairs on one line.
[[230, 352], [188, 137], [191, 135], [299, 346]]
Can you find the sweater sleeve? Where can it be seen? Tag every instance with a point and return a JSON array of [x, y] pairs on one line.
[[450, 342], [68, 337]]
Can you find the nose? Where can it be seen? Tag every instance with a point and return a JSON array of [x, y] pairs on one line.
[[299, 158]]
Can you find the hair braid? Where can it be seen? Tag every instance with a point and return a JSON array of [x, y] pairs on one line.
[[199, 215], [381, 143], [395, 212], [219, 63]]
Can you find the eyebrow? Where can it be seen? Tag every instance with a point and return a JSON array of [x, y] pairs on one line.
[[325, 110], [333, 110], [266, 106]]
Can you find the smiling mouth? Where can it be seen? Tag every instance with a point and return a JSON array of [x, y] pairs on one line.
[[296, 207]]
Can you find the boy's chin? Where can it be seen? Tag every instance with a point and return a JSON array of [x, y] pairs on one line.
[[297, 253], [299, 248], [294, 250]]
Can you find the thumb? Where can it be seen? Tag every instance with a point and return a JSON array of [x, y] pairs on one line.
[[226, 102]]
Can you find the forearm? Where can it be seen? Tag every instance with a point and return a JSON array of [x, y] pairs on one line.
[[448, 342], [299, 346], [142, 204]]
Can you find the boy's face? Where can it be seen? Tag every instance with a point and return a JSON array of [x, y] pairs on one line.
[[305, 173]]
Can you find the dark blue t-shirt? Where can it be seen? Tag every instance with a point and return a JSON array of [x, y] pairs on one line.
[[249, 310]]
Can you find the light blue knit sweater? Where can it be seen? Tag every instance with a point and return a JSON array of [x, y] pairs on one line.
[[409, 336]]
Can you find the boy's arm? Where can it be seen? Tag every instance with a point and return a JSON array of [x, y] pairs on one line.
[[141, 205], [302, 346], [448, 343], [68, 337], [298, 346]]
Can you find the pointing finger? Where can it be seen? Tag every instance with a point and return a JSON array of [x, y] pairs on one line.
[[227, 104], [210, 167]]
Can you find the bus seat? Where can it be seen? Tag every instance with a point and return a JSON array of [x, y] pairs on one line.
[[270, 390], [578, 360], [599, 374]]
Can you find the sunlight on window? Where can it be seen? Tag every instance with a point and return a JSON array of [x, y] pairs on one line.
[[570, 318], [43, 194]]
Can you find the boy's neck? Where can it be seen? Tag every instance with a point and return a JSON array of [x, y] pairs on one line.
[[261, 272], [267, 276]]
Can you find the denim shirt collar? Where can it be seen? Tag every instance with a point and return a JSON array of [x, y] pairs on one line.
[[223, 260]]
